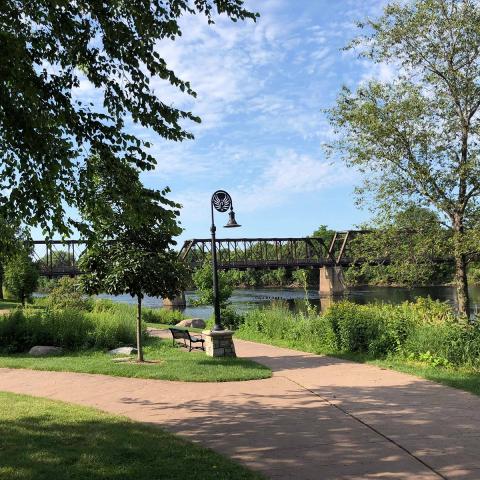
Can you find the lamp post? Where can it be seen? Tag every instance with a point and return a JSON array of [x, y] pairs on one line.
[[221, 202]]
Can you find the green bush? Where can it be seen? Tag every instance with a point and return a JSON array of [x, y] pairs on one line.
[[68, 294], [424, 330], [21, 276], [230, 318], [72, 330], [162, 315]]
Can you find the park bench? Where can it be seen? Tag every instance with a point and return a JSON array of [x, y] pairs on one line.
[[180, 334]]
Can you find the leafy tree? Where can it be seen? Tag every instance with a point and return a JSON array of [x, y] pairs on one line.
[[324, 233], [12, 241], [47, 134], [21, 276], [203, 280], [130, 249], [68, 294], [416, 137], [412, 246], [59, 258]]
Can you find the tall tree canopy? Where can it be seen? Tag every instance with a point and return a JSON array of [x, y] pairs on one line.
[[47, 133], [417, 136]]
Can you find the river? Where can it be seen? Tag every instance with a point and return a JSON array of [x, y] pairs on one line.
[[245, 299]]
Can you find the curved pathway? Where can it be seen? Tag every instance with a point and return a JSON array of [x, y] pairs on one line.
[[317, 418]]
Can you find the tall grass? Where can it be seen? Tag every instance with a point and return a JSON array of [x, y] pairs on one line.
[[71, 329], [104, 324], [149, 315], [426, 330]]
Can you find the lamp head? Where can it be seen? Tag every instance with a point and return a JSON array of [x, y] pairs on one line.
[[232, 223]]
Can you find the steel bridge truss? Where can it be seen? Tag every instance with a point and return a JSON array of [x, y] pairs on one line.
[[57, 258], [270, 253]]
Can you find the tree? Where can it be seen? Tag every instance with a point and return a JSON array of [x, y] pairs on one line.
[[411, 248], [416, 137], [21, 276], [68, 294], [130, 248], [12, 241], [325, 234], [47, 134], [203, 280]]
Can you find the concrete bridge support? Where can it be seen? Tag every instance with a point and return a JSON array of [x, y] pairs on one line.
[[331, 281], [177, 302]]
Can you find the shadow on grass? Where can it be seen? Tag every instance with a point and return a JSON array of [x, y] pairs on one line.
[[41, 440]]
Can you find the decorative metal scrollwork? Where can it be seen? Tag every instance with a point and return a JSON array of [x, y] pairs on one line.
[[221, 200]]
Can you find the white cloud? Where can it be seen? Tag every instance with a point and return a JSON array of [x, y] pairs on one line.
[[283, 179], [290, 174]]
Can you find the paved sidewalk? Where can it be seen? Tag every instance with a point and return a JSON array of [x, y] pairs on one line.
[[318, 418]]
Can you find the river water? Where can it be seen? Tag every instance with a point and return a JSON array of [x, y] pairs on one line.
[[245, 299]]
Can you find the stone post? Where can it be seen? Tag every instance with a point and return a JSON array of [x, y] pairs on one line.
[[219, 344], [331, 281], [177, 302]]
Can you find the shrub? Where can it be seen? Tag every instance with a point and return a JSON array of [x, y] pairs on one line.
[[163, 315], [230, 318], [425, 330], [21, 276], [73, 330], [68, 294]]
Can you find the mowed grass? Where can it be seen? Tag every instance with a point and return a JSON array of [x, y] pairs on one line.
[[43, 439], [163, 362], [461, 378]]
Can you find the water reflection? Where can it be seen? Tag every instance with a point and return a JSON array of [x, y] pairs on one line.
[[246, 299]]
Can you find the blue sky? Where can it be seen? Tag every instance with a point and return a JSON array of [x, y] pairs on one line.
[[261, 91]]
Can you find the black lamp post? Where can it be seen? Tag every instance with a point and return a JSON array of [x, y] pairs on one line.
[[221, 201]]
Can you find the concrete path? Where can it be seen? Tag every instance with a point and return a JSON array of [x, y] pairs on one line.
[[318, 418]]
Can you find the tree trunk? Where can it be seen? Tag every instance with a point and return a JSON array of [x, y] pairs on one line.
[[139, 329], [1, 283], [461, 282]]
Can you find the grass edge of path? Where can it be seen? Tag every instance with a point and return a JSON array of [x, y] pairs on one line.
[[43, 438], [461, 378]]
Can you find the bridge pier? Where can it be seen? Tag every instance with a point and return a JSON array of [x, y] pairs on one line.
[[176, 302], [331, 281]]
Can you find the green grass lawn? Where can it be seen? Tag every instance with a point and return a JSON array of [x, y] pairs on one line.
[[461, 378], [43, 439], [167, 363], [8, 304]]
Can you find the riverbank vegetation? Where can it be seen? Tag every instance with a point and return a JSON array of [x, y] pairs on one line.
[[42, 439]]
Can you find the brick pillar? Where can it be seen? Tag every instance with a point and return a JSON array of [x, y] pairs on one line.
[[219, 344], [331, 281]]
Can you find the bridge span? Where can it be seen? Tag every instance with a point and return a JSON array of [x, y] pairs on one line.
[[57, 258]]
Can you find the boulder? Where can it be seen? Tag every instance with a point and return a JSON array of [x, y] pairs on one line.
[[192, 322], [123, 351], [42, 350]]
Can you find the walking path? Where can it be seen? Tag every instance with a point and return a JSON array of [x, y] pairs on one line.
[[317, 418]]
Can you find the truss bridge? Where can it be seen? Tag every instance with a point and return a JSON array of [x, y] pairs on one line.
[[271, 253], [58, 258]]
